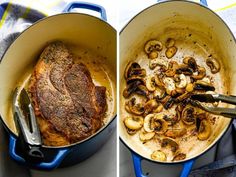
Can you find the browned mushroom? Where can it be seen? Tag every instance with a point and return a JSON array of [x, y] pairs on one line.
[[133, 123], [191, 62], [142, 90], [153, 54], [155, 123], [133, 108], [184, 69], [150, 83], [203, 86], [145, 136], [182, 97], [150, 106], [130, 131], [170, 72], [170, 119], [174, 133], [171, 51], [180, 80], [171, 142], [201, 73], [169, 84], [169, 102], [213, 64], [204, 131], [158, 155], [129, 67], [158, 62], [152, 45], [188, 117]]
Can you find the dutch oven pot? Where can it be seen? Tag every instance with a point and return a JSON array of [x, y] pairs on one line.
[[79, 29], [177, 15]]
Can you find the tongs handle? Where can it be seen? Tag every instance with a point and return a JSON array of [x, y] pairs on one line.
[[231, 99]]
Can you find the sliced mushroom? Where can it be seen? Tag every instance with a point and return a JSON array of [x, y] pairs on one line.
[[171, 51], [184, 69], [142, 90], [170, 72], [159, 93], [155, 123], [132, 107], [191, 62], [153, 45], [171, 142], [204, 130], [131, 88], [201, 73], [159, 108], [179, 156], [170, 119], [174, 133], [203, 86], [153, 54], [158, 62], [134, 79], [158, 155], [150, 106], [169, 84], [145, 136], [188, 117], [170, 42], [129, 67], [150, 83], [133, 123], [131, 132], [181, 81], [169, 102], [159, 81], [213, 64], [182, 97]]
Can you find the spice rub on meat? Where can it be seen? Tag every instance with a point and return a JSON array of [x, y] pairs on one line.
[[68, 106]]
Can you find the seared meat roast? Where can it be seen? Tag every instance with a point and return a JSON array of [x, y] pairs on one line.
[[68, 106]]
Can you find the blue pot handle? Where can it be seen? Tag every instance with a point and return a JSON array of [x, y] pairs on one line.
[[187, 166], [42, 165], [89, 6]]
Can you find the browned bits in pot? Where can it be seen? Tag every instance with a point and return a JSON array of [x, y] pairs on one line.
[[179, 156], [170, 52], [213, 64], [170, 42]]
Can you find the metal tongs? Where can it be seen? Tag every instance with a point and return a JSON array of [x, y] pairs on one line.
[[196, 100], [26, 124]]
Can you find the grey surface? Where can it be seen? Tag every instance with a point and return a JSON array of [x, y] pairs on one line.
[[101, 164]]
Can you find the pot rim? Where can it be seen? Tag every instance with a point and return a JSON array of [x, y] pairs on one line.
[[226, 129], [24, 31]]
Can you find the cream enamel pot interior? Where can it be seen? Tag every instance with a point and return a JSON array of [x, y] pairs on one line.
[[177, 19], [77, 30]]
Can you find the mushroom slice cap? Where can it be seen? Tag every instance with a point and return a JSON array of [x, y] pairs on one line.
[[213, 64], [158, 155], [133, 123], [153, 54], [188, 117], [169, 84], [132, 107], [145, 136], [184, 69], [159, 92], [174, 133], [129, 67], [150, 106], [171, 51], [131, 88], [153, 45], [191, 62], [204, 131], [204, 86], [158, 62], [170, 72], [170, 142], [150, 83], [201, 73], [147, 123], [182, 81]]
